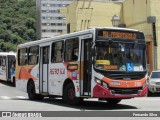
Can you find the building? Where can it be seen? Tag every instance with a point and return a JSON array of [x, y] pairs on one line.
[[49, 21], [137, 14], [84, 14]]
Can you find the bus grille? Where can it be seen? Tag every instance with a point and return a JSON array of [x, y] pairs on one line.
[[125, 90]]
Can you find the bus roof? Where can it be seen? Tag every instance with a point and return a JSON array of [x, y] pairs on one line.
[[60, 37], [7, 53], [117, 28]]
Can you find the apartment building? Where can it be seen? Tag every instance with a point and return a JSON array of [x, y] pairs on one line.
[[49, 21]]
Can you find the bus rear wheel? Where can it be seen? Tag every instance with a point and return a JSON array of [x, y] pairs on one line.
[[113, 100], [14, 82], [31, 92], [69, 95]]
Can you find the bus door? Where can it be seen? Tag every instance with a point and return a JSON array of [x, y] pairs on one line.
[[86, 65], [44, 68], [10, 66]]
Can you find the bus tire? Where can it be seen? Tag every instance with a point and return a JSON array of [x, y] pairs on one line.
[[31, 92], [149, 93], [39, 97], [69, 95], [113, 100], [14, 82]]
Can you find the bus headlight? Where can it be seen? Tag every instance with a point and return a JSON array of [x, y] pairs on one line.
[[104, 84], [98, 80]]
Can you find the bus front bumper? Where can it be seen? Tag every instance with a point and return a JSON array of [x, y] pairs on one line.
[[101, 92]]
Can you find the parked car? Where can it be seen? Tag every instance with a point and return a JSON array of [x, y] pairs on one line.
[[154, 83]]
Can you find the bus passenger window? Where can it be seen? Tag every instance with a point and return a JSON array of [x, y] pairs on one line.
[[0, 61], [57, 52], [3, 60], [75, 54], [22, 56], [33, 55], [72, 49]]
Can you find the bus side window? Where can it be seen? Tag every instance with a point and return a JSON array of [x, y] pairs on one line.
[[0, 61], [57, 52], [33, 55], [72, 49], [22, 56], [4, 61]]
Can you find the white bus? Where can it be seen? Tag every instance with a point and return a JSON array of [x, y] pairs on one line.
[[74, 66], [7, 66]]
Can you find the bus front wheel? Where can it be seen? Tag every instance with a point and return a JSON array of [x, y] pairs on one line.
[[31, 92], [113, 100], [69, 95]]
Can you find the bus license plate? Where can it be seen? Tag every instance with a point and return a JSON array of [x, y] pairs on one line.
[[115, 83]]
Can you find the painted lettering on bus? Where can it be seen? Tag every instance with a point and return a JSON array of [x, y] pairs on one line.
[[57, 71]]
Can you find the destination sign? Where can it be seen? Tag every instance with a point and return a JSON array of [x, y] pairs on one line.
[[120, 34]]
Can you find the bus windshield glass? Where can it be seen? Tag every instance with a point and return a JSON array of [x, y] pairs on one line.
[[120, 56]]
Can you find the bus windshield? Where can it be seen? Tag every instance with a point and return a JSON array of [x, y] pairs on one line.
[[120, 56]]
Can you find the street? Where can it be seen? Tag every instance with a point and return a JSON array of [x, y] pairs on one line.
[[12, 99]]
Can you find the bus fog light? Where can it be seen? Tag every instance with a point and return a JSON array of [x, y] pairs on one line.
[[105, 85]]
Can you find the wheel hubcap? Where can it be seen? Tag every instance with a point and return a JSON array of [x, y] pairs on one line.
[[71, 94]]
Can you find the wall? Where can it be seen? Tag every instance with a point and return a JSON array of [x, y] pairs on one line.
[[155, 11], [135, 15], [83, 15]]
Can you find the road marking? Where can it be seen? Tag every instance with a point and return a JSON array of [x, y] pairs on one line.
[[15, 97], [5, 97], [151, 99], [147, 98], [21, 97]]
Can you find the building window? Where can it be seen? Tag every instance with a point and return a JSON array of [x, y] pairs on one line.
[[46, 24], [53, 30], [68, 28], [48, 5], [59, 24], [59, 31], [53, 24]]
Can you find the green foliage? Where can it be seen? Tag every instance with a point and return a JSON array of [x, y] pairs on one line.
[[17, 23]]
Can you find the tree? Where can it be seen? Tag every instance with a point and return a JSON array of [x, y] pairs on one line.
[[16, 39], [17, 22], [29, 35], [31, 23]]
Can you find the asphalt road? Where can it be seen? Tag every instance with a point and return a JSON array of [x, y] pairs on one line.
[[11, 99]]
